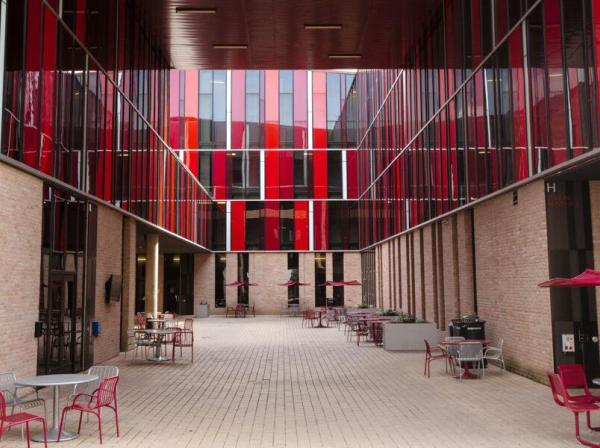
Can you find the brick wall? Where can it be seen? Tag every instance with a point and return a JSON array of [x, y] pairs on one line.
[[129, 271], [20, 252], [511, 255], [595, 218], [108, 261], [352, 271], [204, 282]]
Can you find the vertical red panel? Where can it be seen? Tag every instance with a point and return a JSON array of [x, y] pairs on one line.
[[191, 108], [272, 240], [238, 225], [80, 18], [219, 173], [271, 134], [32, 76], [320, 225], [48, 101], [320, 135], [286, 175], [301, 225], [352, 173], [238, 108], [300, 110]]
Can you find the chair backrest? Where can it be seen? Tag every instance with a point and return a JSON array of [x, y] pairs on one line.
[[427, 347], [572, 376], [184, 338], [188, 324], [556, 388], [8, 386], [101, 372], [2, 406], [470, 350], [107, 391]]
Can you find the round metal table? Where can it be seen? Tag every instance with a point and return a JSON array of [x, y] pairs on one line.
[[160, 334], [56, 381]]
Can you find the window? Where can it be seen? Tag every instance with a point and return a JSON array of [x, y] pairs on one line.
[[220, 266], [338, 276], [294, 290], [245, 174], [334, 111], [286, 221], [212, 103], [254, 109], [334, 174], [218, 226], [302, 175], [320, 278], [255, 226], [243, 291]]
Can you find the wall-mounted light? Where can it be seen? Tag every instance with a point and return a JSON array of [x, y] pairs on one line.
[[192, 10], [323, 26], [141, 259], [176, 259], [230, 47], [344, 56]]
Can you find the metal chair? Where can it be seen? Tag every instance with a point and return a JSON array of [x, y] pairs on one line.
[[432, 354], [19, 419], [188, 324], [104, 396], [101, 372], [142, 341], [573, 376], [470, 352], [8, 386], [492, 353], [183, 338], [560, 396]]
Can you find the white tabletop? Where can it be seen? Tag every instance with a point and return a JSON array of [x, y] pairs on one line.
[[157, 330], [56, 380]]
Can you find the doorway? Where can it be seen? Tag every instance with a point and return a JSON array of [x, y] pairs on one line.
[[179, 283], [570, 251]]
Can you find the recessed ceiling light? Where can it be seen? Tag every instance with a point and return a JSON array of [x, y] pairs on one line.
[[314, 26], [230, 46], [193, 10], [344, 56]]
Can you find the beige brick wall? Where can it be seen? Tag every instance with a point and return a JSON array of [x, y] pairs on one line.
[[352, 271], [449, 265], [108, 261], [430, 290], [306, 263], [464, 237], [129, 268], [511, 253], [20, 252], [204, 282]]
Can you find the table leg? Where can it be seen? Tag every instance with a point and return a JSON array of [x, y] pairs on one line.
[[52, 434], [467, 372]]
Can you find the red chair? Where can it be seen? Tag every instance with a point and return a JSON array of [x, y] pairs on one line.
[[573, 377], [183, 338], [20, 418], [433, 353], [104, 396], [559, 393], [309, 316]]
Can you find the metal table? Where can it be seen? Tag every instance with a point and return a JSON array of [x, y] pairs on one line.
[[56, 381], [160, 334]]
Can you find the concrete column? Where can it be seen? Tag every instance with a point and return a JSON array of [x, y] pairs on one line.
[[152, 281], [129, 267]]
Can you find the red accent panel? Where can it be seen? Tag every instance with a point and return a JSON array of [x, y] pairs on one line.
[[191, 109], [238, 108], [320, 174], [300, 110], [301, 225], [319, 110], [220, 174], [271, 134], [272, 241], [320, 225], [80, 17], [352, 172], [286, 175], [238, 225], [47, 114]]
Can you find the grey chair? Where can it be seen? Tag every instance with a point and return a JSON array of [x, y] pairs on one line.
[[470, 352], [452, 350], [101, 372], [495, 353], [8, 386]]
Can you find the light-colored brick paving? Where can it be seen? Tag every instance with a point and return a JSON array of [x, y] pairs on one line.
[[267, 382]]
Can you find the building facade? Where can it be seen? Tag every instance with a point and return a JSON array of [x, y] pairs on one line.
[[450, 185]]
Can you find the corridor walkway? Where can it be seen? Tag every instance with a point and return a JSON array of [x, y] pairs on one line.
[[266, 382]]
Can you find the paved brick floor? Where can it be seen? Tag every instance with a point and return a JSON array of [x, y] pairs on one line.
[[267, 382]]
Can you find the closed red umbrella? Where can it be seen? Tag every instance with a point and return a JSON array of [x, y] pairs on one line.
[[341, 283], [238, 283], [586, 279], [293, 283]]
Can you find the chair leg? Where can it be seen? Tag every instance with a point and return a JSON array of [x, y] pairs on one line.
[[80, 418], [589, 423], [116, 417], [578, 435], [45, 433], [62, 421], [99, 415], [27, 430]]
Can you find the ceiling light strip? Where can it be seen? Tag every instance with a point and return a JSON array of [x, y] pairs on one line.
[[230, 47], [192, 10]]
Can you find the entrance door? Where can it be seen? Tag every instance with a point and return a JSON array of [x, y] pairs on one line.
[[570, 250], [60, 347]]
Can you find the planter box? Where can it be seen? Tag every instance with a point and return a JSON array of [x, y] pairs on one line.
[[409, 336], [201, 310]]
